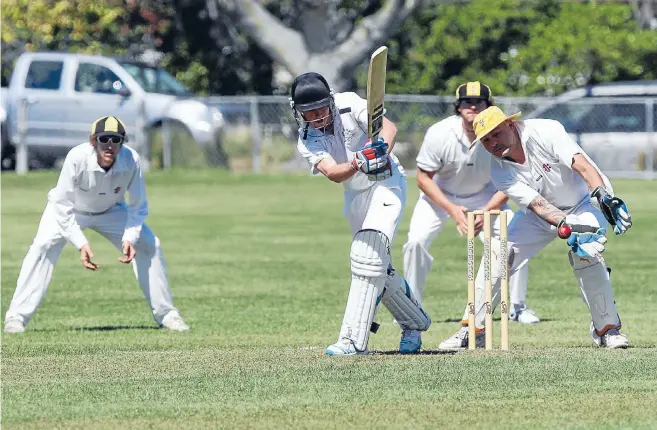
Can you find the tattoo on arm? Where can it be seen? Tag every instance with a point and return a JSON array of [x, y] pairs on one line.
[[546, 211]]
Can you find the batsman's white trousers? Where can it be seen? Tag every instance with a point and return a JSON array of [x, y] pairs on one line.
[[37, 268], [428, 220], [380, 207]]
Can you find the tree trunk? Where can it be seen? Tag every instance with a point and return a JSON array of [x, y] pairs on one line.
[[315, 48]]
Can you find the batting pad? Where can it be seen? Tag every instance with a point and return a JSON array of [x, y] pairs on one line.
[[595, 285], [401, 304], [370, 257]]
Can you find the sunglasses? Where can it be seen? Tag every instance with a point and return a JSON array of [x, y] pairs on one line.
[[478, 103], [106, 140]]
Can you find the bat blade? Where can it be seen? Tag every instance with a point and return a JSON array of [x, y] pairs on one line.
[[376, 90]]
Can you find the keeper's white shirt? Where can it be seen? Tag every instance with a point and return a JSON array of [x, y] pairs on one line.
[[349, 136], [547, 170], [85, 188], [460, 171]]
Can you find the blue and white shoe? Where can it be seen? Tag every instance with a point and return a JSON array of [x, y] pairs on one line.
[[344, 347], [411, 341]]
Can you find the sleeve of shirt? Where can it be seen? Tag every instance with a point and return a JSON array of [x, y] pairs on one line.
[[313, 153], [505, 181], [137, 208], [429, 158], [62, 198], [562, 145]]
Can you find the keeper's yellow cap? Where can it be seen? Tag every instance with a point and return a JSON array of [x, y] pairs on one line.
[[487, 120]]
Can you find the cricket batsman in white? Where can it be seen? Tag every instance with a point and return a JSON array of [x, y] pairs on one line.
[[90, 193], [333, 138], [454, 178], [560, 192]]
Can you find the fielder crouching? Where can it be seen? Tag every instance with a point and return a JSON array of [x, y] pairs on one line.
[[333, 138], [90, 193]]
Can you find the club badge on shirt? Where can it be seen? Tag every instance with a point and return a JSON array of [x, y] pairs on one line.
[[116, 190]]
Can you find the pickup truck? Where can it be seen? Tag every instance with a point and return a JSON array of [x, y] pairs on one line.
[[66, 92]]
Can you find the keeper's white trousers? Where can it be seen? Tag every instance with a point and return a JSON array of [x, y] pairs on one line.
[[427, 221], [37, 268]]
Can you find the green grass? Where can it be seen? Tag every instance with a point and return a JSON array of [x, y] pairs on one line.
[[259, 268]]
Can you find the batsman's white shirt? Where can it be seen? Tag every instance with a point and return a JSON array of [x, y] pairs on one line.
[[86, 188], [547, 170], [376, 205], [460, 171], [349, 136]]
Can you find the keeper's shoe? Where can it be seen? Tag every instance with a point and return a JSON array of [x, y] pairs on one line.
[[459, 340], [523, 314], [14, 326], [411, 341], [612, 339], [174, 322], [344, 347]]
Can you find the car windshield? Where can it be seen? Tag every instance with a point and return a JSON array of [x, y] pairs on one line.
[[155, 80]]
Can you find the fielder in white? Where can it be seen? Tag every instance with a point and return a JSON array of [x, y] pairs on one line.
[[333, 138], [553, 182], [454, 178], [90, 193]]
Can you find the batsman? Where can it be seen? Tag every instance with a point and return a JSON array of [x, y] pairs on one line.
[[333, 138], [560, 192]]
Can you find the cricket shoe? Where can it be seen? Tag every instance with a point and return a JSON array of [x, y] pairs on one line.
[[522, 314], [14, 326], [174, 322], [410, 342], [343, 347], [459, 340], [612, 338]]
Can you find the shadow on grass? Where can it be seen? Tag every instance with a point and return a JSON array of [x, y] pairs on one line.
[[423, 352], [116, 327]]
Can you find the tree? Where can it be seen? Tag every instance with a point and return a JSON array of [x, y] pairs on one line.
[[542, 47], [111, 27], [321, 35]]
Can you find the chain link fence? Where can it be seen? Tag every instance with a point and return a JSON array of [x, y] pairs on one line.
[[260, 133]]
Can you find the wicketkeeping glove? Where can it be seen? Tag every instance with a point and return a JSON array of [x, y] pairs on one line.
[[588, 245], [614, 210], [372, 157]]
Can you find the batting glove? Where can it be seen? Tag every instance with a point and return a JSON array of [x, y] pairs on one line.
[[381, 174], [373, 156], [614, 210]]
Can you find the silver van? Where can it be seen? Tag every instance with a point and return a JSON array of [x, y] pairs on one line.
[[614, 122]]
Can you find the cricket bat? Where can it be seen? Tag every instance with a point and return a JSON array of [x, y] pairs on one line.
[[376, 90]]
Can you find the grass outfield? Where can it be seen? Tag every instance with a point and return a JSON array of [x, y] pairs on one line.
[[259, 269]]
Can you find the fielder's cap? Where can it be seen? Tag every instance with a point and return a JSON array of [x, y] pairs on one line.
[[487, 120], [474, 90], [109, 125], [310, 91]]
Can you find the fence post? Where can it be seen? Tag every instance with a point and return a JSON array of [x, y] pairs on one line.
[[142, 136], [255, 135], [21, 136], [166, 144], [652, 141]]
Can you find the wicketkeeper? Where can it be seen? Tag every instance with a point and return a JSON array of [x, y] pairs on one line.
[[90, 193], [333, 138], [557, 188]]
